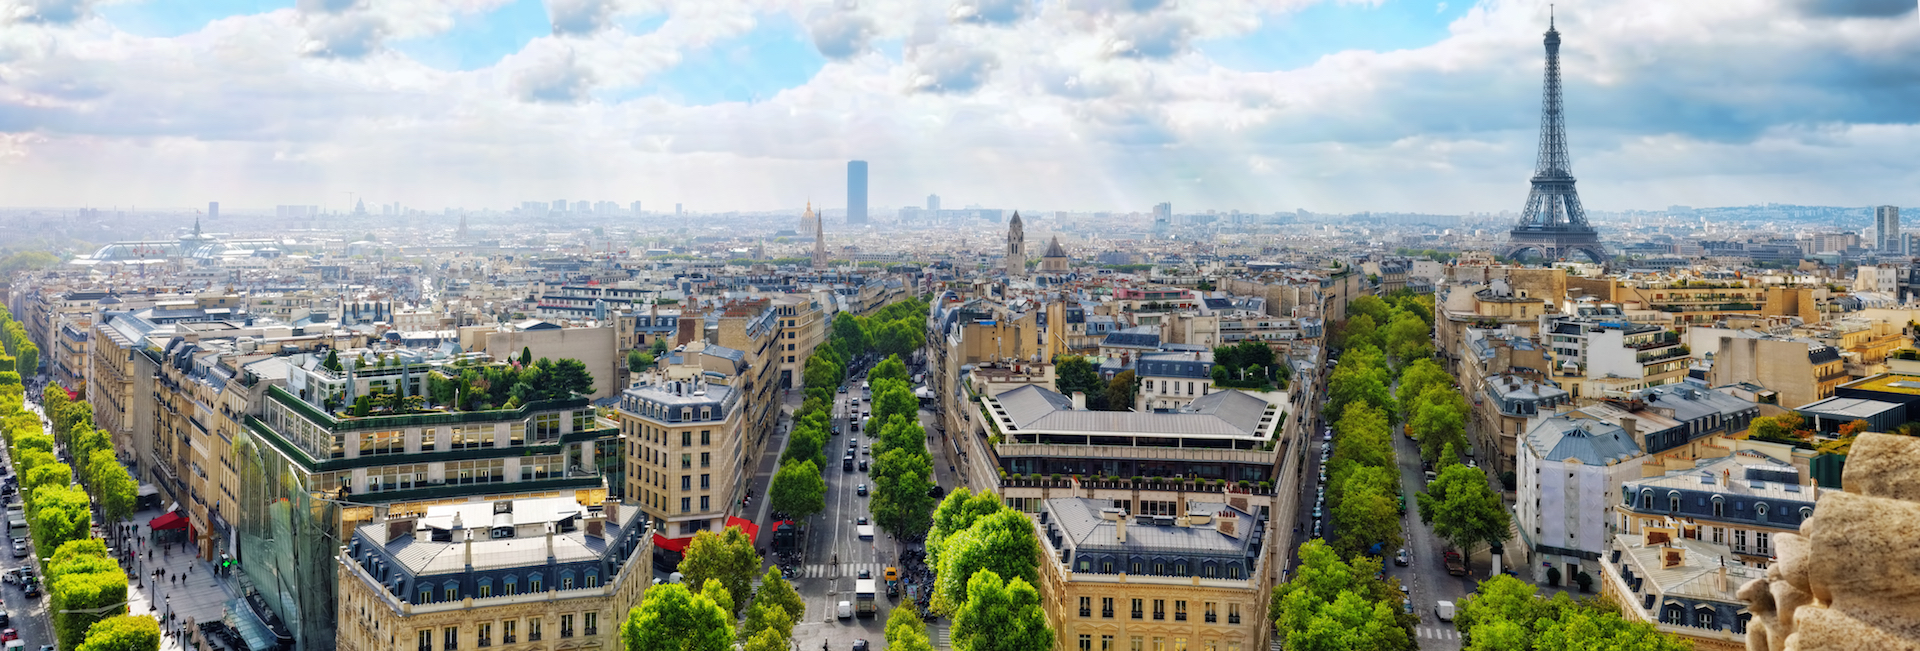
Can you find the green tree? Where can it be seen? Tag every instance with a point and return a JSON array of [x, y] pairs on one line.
[[1364, 519], [767, 640], [526, 356], [1407, 337], [1332, 605], [638, 360], [1372, 307], [114, 487], [332, 362], [672, 618], [1002, 543], [729, 558], [890, 369], [902, 481], [54, 474], [1001, 616], [776, 591], [1463, 509], [763, 618], [957, 513], [568, 377], [1440, 421], [1075, 373], [798, 489], [1360, 331], [1121, 391], [81, 579], [59, 514], [716, 591], [1419, 376], [123, 633], [850, 333]]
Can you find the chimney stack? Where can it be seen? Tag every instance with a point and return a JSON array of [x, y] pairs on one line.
[[1079, 401]]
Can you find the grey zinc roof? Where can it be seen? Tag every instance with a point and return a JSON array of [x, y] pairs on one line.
[[1132, 340], [1225, 413], [1592, 442], [1692, 401], [1080, 521]]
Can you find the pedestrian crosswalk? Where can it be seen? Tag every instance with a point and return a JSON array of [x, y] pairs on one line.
[[941, 637], [843, 570], [1436, 633]]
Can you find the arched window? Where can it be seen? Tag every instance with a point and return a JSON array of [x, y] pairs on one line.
[[1760, 511], [1673, 502], [533, 582], [1805, 512], [1740, 623], [1719, 507], [1646, 500], [512, 584]]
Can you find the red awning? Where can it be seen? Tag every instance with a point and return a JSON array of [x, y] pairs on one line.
[[677, 545], [752, 530], [172, 520]]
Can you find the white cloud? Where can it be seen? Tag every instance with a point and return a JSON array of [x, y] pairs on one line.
[[1069, 103]]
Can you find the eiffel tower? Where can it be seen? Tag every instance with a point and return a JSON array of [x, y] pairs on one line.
[[1553, 225]]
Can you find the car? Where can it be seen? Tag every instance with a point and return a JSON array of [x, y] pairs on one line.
[[863, 465], [843, 388], [1316, 512], [6, 619], [19, 547], [1323, 477], [867, 450], [859, 645], [46, 647], [9, 634], [844, 610], [1316, 529], [33, 589], [1404, 590], [860, 520], [1404, 558], [861, 490], [1406, 605], [864, 574]]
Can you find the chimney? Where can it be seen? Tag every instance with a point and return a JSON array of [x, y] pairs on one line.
[[1120, 530], [1228, 524], [1632, 426], [1672, 557], [549, 526], [467, 545], [1079, 401], [1199, 518]]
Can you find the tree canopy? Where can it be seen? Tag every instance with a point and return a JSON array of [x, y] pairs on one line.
[[1504, 614], [798, 489], [1001, 616], [673, 618], [729, 558]]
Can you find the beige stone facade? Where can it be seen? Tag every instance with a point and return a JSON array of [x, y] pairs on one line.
[[684, 453], [1797, 371]]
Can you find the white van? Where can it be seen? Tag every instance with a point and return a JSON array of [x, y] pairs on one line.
[[1445, 610]]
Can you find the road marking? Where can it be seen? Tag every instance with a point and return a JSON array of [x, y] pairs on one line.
[[1436, 633]]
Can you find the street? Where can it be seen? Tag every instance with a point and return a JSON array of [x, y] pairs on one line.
[[28, 616]]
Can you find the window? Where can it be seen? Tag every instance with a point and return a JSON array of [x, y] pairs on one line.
[[426, 595], [1740, 540], [1136, 566], [1106, 607], [516, 434], [593, 578], [1673, 502], [1646, 498], [1137, 644], [1180, 611], [452, 591], [533, 583], [1233, 613], [1106, 643], [590, 622], [1719, 507], [1760, 510], [686, 505], [706, 459], [1136, 610], [546, 427], [1719, 535], [1763, 543], [486, 588], [686, 461], [706, 437], [484, 635], [686, 482], [533, 629], [566, 626], [372, 443], [506, 631], [583, 420], [1086, 643], [706, 481], [426, 640], [469, 437], [686, 439], [1212, 615], [566, 580], [705, 504], [1086, 608], [451, 640], [511, 585], [1159, 609], [1179, 644], [1233, 570]]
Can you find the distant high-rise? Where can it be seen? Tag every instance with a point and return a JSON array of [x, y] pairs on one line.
[[582, 207], [1163, 212], [213, 210], [1886, 224], [560, 206], [856, 192], [636, 209], [933, 203], [678, 211]]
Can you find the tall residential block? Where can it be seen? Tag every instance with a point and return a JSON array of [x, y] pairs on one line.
[[1886, 228], [933, 203], [856, 192], [213, 210]]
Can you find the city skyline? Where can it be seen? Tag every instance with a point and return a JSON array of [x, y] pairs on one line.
[[1324, 106]]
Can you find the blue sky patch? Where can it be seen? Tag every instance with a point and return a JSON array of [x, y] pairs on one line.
[[778, 54], [1292, 41], [481, 40], [170, 18]]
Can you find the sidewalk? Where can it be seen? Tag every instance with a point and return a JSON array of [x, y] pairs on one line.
[[188, 587]]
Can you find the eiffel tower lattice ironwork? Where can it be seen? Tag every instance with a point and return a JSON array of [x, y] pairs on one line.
[[1554, 224]]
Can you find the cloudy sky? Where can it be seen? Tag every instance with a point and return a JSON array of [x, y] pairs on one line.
[[1257, 105]]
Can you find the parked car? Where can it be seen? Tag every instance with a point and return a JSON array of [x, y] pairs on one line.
[[859, 645], [19, 547], [1404, 558], [9, 634], [33, 590], [844, 610], [861, 490]]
